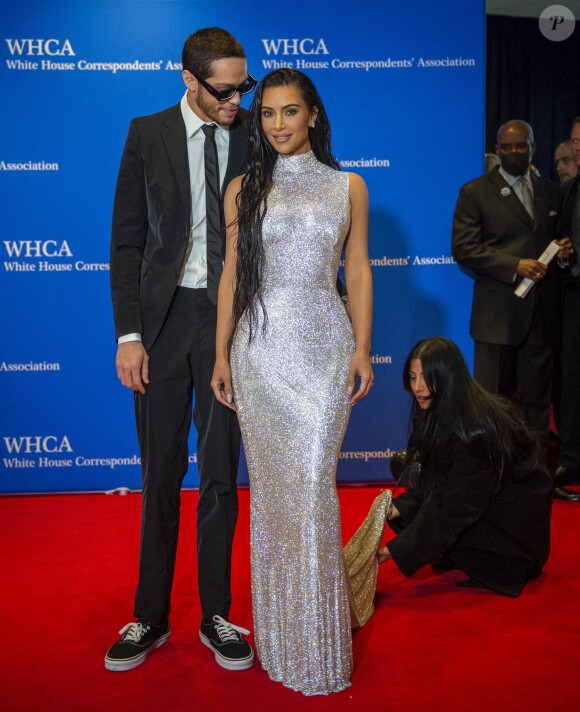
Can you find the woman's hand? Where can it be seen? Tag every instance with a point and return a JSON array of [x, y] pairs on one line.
[[384, 554], [221, 384], [360, 367], [393, 513]]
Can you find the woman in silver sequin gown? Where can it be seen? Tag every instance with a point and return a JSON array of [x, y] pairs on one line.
[[295, 361]]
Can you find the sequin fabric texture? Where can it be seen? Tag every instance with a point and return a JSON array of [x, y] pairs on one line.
[[362, 564], [290, 386]]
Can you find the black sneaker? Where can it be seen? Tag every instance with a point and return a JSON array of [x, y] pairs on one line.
[[136, 642], [232, 652]]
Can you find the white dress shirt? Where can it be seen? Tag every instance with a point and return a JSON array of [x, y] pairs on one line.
[[194, 271]]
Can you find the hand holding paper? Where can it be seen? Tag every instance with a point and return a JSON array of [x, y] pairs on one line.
[[545, 258]]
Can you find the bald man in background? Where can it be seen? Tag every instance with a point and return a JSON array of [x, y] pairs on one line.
[[503, 221]]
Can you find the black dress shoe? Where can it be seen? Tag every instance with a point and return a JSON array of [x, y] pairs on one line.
[[566, 494], [470, 583], [566, 475]]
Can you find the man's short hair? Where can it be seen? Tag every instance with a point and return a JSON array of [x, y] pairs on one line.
[[576, 121], [205, 46]]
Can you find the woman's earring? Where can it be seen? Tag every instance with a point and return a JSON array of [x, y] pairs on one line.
[[312, 124]]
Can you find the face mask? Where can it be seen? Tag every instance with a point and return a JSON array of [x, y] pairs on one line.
[[515, 163]]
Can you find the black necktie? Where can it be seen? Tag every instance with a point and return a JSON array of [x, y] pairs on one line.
[[213, 212]]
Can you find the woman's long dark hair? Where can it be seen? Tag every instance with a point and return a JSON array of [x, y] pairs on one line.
[[460, 409], [252, 201]]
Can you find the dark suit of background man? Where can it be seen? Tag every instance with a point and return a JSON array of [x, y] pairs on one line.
[[568, 470], [499, 240], [164, 279]]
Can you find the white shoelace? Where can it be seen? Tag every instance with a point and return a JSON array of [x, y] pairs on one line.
[[227, 630], [136, 631]]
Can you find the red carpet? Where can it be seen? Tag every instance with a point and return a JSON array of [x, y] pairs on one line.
[[69, 570]]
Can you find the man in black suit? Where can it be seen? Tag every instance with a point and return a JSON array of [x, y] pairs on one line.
[[167, 250], [503, 221], [568, 470]]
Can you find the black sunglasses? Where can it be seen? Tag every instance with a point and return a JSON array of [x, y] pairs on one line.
[[225, 94]]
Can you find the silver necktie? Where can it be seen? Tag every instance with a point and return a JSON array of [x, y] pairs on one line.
[[524, 192]]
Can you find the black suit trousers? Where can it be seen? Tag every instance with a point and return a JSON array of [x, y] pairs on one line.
[[526, 368], [181, 363], [569, 422]]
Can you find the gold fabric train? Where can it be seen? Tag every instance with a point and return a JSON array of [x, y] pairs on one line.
[[360, 558]]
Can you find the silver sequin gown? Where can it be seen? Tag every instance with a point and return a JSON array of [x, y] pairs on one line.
[[290, 387]]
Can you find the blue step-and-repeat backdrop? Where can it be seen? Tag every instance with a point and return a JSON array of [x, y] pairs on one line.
[[403, 84]]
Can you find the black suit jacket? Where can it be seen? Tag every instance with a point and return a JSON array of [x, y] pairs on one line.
[[569, 192], [492, 231], [151, 218], [500, 537]]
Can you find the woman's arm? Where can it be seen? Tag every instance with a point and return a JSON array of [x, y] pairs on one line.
[[469, 489], [359, 284], [221, 381]]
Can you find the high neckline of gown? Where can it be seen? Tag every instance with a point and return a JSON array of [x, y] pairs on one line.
[[295, 164]]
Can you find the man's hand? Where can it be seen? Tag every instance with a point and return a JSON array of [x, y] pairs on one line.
[[532, 269], [565, 248], [133, 365]]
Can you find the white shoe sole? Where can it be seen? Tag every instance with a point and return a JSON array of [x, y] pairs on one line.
[[228, 663], [130, 663]]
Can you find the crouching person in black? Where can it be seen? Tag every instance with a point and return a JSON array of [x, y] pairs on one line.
[[478, 494]]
